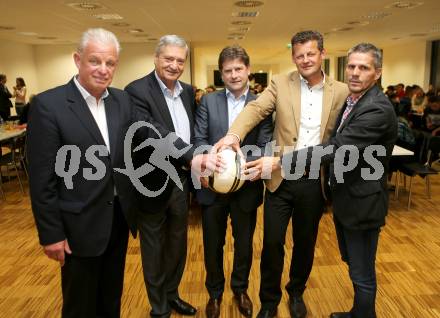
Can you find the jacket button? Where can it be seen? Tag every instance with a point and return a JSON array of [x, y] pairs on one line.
[[294, 139]]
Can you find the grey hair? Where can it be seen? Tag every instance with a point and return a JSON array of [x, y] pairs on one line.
[[98, 35], [368, 48], [173, 40]]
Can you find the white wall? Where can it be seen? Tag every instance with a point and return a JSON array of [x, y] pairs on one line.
[[55, 64], [407, 63], [46, 66]]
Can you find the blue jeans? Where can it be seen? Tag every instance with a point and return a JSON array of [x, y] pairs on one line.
[[358, 250]]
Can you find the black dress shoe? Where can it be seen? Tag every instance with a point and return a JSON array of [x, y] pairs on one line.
[[213, 307], [340, 315], [244, 304], [267, 313], [297, 307], [182, 307]]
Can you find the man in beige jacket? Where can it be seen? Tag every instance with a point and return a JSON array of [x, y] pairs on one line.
[[307, 103]]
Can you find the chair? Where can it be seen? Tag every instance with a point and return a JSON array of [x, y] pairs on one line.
[[15, 156], [430, 146]]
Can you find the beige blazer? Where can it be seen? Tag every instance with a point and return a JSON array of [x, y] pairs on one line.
[[283, 95]]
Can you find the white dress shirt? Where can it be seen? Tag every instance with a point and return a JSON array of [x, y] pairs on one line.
[[97, 109], [177, 110], [235, 105], [311, 112]]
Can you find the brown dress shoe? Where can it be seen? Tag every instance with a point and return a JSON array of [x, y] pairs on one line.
[[244, 304], [213, 307]]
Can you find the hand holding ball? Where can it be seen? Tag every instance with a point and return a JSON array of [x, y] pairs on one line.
[[230, 178]]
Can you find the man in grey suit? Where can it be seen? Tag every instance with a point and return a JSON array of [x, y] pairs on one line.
[[214, 115]]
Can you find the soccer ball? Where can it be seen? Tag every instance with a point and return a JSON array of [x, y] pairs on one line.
[[230, 179]]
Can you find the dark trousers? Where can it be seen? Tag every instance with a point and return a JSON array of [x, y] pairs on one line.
[[92, 286], [300, 200], [214, 222], [163, 238], [358, 250]]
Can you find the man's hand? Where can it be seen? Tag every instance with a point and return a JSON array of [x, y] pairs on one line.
[[56, 251], [262, 167], [228, 141], [206, 164]]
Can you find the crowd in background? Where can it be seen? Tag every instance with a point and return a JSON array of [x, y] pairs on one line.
[[417, 111], [255, 88]]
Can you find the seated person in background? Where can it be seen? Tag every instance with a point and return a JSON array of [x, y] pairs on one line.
[[431, 116], [394, 99], [210, 89], [418, 99], [405, 135], [198, 95], [390, 91]]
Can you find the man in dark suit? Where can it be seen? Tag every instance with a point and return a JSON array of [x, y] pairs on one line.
[[213, 117], [366, 126], [5, 95], [163, 220], [84, 224]]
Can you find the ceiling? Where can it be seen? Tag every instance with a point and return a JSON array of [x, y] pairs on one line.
[[210, 23]]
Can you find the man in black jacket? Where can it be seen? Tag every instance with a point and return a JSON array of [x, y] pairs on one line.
[[163, 219], [82, 207], [5, 95]]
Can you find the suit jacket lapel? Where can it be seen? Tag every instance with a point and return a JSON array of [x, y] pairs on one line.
[[160, 101], [327, 103], [295, 92], [112, 113], [79, 106], [223, 111]]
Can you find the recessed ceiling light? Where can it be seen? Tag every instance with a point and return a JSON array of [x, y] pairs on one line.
[[47, 37], [241, 22], [376, 15], [135, 31], [121, 24], [239, 29], [85, 6], [248, 3], [27, 33], [435, 28], [245, 14], [108, 16], [404, 5], [360, 23], [6, 27], [342, 29]]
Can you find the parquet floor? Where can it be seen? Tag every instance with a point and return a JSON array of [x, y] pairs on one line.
[[408, 265]]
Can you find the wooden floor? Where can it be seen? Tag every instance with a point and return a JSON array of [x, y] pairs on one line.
[[408, 266]]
